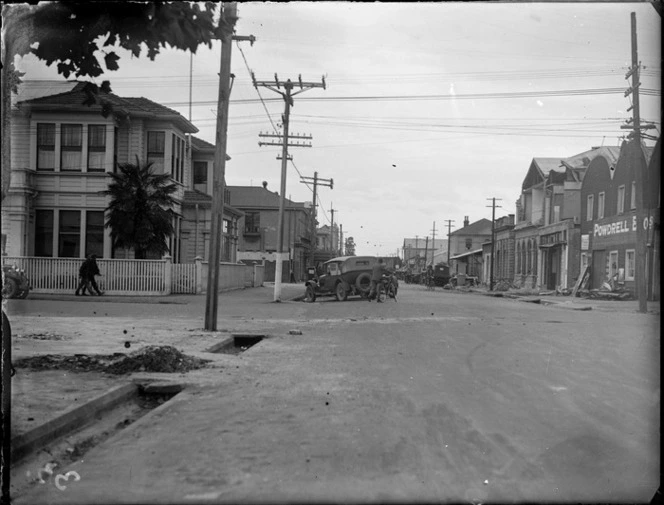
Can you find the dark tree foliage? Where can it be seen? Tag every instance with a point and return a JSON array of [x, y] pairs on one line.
[[138, 214], [72, 33], [78, 36]]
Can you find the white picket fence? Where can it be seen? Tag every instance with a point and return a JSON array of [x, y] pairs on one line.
[[134, 277]]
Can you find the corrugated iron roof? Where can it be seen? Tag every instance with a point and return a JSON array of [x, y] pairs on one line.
[[257, 197], [76, 96], [481, 227]]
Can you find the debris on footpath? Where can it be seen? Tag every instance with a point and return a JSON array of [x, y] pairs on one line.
[[43, 336], [158, 359]]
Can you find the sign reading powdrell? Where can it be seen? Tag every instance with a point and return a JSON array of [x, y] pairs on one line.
[[623, 226]]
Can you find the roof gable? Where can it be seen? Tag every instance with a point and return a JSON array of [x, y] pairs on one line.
[[481, 227], [539, 169], [245, 197], [138, 106]]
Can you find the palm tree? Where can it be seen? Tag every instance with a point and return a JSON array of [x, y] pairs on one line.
[[139, 214]]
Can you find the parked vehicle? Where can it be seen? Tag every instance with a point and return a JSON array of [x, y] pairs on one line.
[[15, 283], [342, 277], [441, 274]]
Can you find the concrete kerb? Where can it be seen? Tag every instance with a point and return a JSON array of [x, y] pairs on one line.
[[78, 417]]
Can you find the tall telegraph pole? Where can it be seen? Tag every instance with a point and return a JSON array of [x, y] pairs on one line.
[[316, 181], [493, 237], [638, 162], [229, 13], [332, 211], [433, 242], [287, 95], [449, 243]]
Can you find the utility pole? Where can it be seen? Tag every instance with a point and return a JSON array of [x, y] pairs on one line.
[[316, 181], [229, 13], [638, 163], [332, 211], [433, 242], [287, 95], [493, 237], [426, 251], [449, 244], [341, 239]]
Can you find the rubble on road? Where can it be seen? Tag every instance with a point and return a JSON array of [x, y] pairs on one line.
[[157, 359]]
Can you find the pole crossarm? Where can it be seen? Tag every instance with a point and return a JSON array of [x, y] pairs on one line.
[[289, 144]]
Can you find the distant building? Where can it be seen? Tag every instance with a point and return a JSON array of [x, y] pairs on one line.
[[421, 251], [609, 223], [258, 230], [467, 241]]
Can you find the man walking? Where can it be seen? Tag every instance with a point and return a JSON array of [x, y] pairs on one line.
[[86, 276]]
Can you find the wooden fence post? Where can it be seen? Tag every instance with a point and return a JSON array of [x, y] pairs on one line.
[[168, 274], [199, 274]]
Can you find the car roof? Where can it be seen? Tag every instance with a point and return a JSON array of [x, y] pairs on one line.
[[341, 259]]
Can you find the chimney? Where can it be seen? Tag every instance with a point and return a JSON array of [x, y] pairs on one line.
[[265, 184], [466, 222]]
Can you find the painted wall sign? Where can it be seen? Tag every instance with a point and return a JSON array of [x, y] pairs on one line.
[[585, 241], [624, 225]]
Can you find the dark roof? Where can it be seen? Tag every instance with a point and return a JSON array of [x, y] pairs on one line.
[[136, 106], [481, 227], [201, 145], [193, 197], [255, 197]]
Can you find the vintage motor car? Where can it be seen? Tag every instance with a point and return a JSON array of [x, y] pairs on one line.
[[342, 277], [15, 282]]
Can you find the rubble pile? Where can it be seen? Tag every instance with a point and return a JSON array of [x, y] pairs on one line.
[[76, 363], [160, 359]]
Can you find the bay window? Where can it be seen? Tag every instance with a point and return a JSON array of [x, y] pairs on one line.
[[45, 146], [96, 148], [156, 150], [71, 147]]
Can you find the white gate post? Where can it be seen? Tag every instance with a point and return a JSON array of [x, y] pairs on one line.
[[168, 274], [199, 274]]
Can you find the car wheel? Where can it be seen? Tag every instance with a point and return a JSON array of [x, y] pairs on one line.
[[363, 283], [310, 295], [9, 288], [340, 292]]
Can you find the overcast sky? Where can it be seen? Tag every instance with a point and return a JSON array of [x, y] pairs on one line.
[[430, 108]]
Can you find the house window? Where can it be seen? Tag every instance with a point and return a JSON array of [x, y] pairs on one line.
[[469, 243], [200, 174], [156, 149], [69, 237], [633, 199], [613, 264], [44, 233], [630, 264], [600, 205], [94, 233], [252, 222], [177, 158], [96, 148], [621, 199], [71, 147], [45, 146], [590, 207]]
